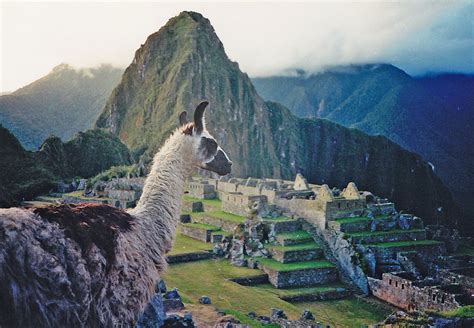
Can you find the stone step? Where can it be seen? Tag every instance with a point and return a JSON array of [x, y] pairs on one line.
[[362, 223], [385, 252], [225, 221], [294, 238], [282, 224], [298, 274], [199, 231], [314, 294], [296, 253], [387, 236]]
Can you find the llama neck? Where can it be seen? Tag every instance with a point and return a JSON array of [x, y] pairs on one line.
[[159, 206]]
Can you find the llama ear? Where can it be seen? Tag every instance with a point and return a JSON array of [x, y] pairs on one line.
[[183, 118], [199, 116]]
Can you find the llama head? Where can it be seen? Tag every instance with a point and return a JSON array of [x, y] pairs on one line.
[[208, 154]]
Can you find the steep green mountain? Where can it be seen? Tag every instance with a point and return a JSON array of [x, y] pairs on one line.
[[25, 174], [185, 61], [61, 103], [432, 116]]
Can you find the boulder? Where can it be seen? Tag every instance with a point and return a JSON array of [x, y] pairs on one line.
[[278, 314], [172, 295], [205, 300], [307, 315], [197, 207], [185, 218], [160, 287]]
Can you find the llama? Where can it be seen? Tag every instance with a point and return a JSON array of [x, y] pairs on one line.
[[93, 265]]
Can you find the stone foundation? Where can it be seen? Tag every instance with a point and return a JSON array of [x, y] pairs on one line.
[[301, 278]]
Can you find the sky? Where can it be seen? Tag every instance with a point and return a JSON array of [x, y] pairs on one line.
[[265, 38]]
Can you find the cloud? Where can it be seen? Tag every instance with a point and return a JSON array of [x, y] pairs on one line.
[[265, 38]]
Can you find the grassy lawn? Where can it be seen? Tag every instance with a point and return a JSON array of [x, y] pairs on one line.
[[406, 243], [282, 267], [295, 235], [209, 277], [298, 247], [184, 244], [225, 216], [202, 226], [463, 311], [298, 291], [278, 219], [211, 202], [382, 233]]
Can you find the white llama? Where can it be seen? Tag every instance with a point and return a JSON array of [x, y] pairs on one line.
[[94, 265]]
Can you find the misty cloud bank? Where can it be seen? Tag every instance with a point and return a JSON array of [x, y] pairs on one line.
[[265, 38]]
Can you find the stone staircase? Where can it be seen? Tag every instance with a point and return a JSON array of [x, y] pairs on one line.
[[297, 261], [386, 237]]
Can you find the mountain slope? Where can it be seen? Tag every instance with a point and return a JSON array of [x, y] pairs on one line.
[[432, 116], [62, 103], [25, 174], [185, 61]]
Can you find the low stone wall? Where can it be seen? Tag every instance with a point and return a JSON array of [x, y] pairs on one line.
[[197, 233], [405, 235], [188, 257], [225, 225], [386, 254], [79, 200], [284, 226], [297, 256], [336, 294], [251, 280], [301, 278]]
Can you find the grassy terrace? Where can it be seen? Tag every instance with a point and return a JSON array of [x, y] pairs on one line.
[[298, 247], [211, 202], [209, 277], [298, 291], [202, 226], [381, 233], [463, 312], [280, 267], [406, 243], [184, 244], [278, 219], [295, 235], [360, 219]]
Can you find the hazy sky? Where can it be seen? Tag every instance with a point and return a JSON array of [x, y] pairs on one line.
[[265, 38]]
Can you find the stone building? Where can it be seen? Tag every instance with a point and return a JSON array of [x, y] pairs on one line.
[[202, 189], [403, 290]]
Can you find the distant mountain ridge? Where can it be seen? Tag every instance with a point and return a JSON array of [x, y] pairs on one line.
[[432, 115], [185, 62], [62, 103]]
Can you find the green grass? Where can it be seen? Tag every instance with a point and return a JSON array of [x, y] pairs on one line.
[[295, 235], [284, 267], [209, 277], [465, 250], [201, 226], [298, 247], [223, 233], [211, 202], [357, 219], [298, 291], [405, 243], [225, 216], [184, 244], [463, 312], [382, 233], [278, 219]]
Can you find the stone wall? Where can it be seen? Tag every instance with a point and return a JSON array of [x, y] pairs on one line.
[[403, 293], [301, 278], [196, 233], [310, 210], [201, 190], [239, 204]]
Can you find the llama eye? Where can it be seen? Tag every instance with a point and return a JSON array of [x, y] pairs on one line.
[[208, 147]]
